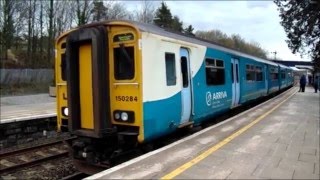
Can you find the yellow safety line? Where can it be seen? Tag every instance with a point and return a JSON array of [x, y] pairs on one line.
[[205, 154]]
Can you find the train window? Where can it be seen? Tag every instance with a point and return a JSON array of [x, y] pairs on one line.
[[63, 45], [283, 75], [259, 73], [184, 70], [215, 72], [170, 69], [232, 78], [219, 63], [123, 62], [237, 72], [63, 66], [273, 76], [250, 73]]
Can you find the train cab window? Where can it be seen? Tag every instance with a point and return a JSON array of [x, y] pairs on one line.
[[259, 73], [250, 73], [170, 69], [63, 66], [215, 72], [123, 62]]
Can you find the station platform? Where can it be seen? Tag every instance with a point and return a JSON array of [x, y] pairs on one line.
[[22, 108], [278, 139]]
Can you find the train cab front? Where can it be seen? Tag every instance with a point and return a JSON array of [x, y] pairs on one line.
[[104, 91]]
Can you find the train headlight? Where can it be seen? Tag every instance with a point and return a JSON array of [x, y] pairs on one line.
[[84, 154], [124, 116], [65, 111], [117, 115]]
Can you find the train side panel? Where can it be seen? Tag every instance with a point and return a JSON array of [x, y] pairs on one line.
[[212, 86], [283, 77], [273, 84], [253, 81], [162, 98]]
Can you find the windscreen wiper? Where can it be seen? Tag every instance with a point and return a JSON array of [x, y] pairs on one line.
[[126, 55]]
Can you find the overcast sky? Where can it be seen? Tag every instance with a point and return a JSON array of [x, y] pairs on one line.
[[257, 21]]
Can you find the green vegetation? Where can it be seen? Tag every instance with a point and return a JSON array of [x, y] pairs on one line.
[[234, 41], [163, 18], [301, 22], [28, 28]]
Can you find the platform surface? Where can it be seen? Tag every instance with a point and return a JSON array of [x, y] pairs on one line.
[[278, 139], [20, 108]]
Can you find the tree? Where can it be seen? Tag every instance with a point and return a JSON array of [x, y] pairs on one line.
[[189, 30], [146, 13], [41, 27], [50, 32], [163, 16], [177, 24], [301, 22], [8, 26], [235, 41], [84, 9], [117, 11], [98, 11]]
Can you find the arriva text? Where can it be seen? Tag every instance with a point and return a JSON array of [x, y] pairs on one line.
[[215, 96]]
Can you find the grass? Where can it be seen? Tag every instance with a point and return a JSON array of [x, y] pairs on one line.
[[23, 89]]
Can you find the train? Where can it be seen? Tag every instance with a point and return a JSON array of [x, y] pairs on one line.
[[122, 83]]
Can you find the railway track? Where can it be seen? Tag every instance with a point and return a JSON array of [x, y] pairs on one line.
[[75, 176], [23, 158]]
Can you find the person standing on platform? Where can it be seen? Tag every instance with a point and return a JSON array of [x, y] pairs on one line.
[[316, 83], [303, 82]]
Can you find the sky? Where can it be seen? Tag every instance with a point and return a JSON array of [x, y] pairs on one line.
[[257, 21]]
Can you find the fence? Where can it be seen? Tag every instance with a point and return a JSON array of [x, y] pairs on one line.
[[25, 76]]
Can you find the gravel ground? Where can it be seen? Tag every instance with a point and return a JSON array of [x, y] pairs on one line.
[[26, 99], [54, 169]]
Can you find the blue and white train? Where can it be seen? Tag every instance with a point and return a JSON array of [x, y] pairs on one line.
[[124, 83]]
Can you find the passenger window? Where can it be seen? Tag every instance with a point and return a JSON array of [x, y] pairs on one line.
[[170, 69], [273, 74], [250, 73], [123, 62], [259, 73], [215, 72], [283, 75]]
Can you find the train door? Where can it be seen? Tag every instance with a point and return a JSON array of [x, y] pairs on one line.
[[235, 82], [266, 78], [186, 86]]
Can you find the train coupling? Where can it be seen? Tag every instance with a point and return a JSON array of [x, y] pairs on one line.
[[83, 151]]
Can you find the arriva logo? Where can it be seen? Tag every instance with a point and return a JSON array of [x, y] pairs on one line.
[[215, 96], [219, 95]]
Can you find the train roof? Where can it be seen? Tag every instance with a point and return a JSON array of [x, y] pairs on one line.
[[283, 66], [164, 32], [144, 27]]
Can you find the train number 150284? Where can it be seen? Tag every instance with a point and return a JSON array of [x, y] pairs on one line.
[[127, 98]]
